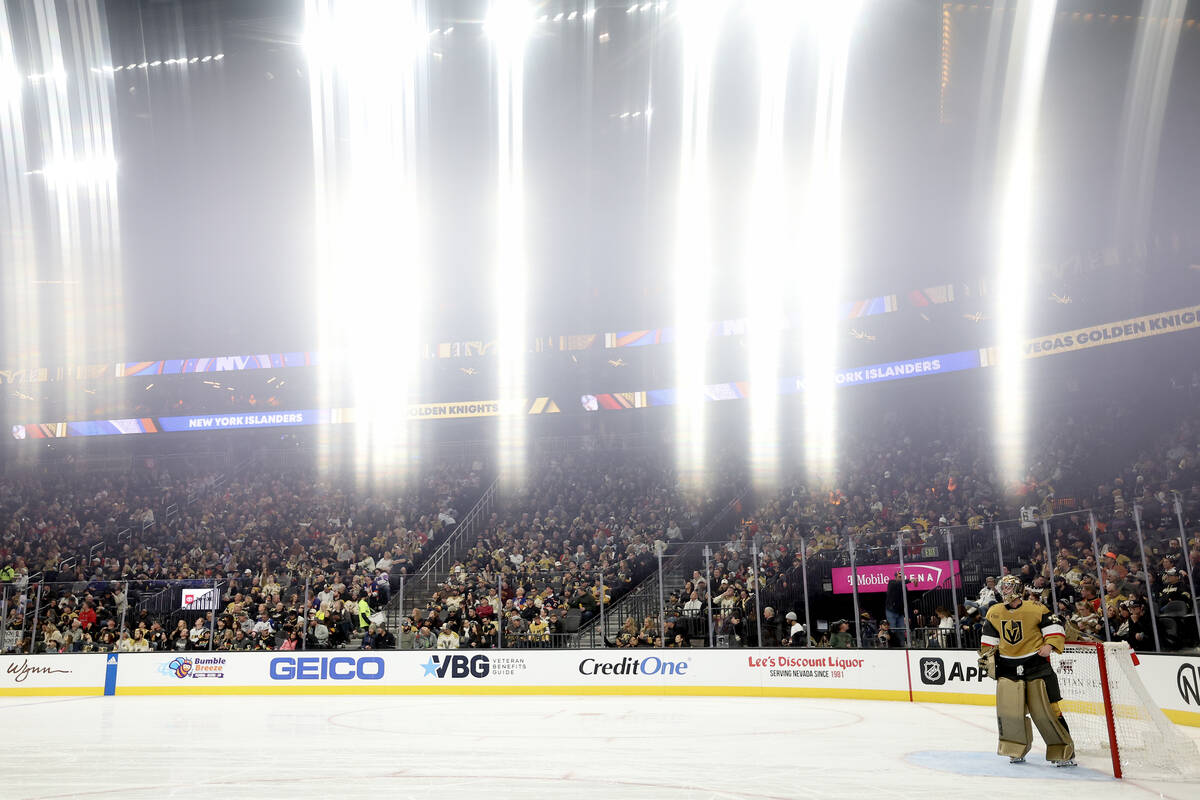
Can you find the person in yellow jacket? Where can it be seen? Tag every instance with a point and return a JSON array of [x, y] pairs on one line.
[[364, 614], [539, 631], [1015, 645]]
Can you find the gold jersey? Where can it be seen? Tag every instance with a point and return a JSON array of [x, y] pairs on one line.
[[1018, 633]]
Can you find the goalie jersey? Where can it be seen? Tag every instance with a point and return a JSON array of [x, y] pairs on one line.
[[1017, 634]]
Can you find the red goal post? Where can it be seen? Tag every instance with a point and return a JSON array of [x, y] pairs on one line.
[[1080, 705]]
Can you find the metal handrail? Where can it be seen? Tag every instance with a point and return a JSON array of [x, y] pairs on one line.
[[453, 544], [680, 560]]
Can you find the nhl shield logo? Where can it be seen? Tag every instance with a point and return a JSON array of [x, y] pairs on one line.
[[933, 671]]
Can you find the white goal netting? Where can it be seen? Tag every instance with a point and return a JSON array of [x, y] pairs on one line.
[[1148, 744]]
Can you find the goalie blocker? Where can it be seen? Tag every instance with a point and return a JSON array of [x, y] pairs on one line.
[[1018, 638]]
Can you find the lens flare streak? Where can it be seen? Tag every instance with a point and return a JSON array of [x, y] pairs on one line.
[[770, 236], [367, 86], [701, 22], [508, 26], [824, 257], [1014, 234]]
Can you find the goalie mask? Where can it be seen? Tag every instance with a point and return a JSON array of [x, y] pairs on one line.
[[1010, 588]]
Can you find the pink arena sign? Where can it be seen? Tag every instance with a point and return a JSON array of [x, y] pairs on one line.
[[921, 575]]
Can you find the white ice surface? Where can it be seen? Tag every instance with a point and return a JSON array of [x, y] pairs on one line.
[[524, 747]]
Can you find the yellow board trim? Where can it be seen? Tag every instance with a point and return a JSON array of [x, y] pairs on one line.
[[673, 691], [957, 698], [1191, 718], [44, 691]]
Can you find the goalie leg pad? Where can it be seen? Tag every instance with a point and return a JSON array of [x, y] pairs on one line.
[[1059, 745], [1016, 733]]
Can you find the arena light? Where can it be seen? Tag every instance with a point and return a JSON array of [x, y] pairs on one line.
[[700, 25], [1017, 208], [367, 83], [823, 256], [79, 172], [509, 25], [770, 236]]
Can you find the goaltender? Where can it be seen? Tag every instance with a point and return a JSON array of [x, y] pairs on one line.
[[1018, 637]]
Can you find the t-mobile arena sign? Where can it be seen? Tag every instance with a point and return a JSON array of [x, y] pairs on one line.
[[921, 575]]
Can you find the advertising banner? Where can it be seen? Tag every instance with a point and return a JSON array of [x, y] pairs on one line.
[[921, 575], [911, 368], [949, 676], [198, 599], [1174, 683], [270, 419], [941, 676], [879, 674], [52, 675], [819, 672], [1180, 319]]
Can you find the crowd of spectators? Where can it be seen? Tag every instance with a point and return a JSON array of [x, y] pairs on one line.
[[305, 561], [294, 557], [581, 532], [903, 487]]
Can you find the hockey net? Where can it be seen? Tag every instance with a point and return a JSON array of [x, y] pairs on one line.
[[1104, 701]]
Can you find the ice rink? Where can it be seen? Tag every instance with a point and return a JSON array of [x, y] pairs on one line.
[[522, 747]]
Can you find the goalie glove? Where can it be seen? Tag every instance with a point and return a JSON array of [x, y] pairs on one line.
[[987, 664]]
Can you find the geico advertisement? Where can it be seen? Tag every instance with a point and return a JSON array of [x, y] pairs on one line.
[[206, 672]]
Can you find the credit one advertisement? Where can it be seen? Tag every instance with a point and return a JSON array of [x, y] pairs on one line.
[[921, 575]]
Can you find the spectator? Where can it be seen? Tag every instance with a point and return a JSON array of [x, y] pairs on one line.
[[841, 636], [894, 605], [424, 640], [797, 636], [448, 638]]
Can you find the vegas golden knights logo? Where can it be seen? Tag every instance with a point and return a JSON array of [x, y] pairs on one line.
[[1011, 631]]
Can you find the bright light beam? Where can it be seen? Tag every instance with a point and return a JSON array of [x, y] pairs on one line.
[[77, 205], [508, 25], [770, 236], [1146, 93], [1017, 204], [701, 23], [367, 85], [21, 323], [823, 266]]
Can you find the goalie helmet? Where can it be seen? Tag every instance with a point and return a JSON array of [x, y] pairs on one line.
[[1010, 588]]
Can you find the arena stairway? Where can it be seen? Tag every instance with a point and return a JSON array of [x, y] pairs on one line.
[[679, 561], [419, 588]]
